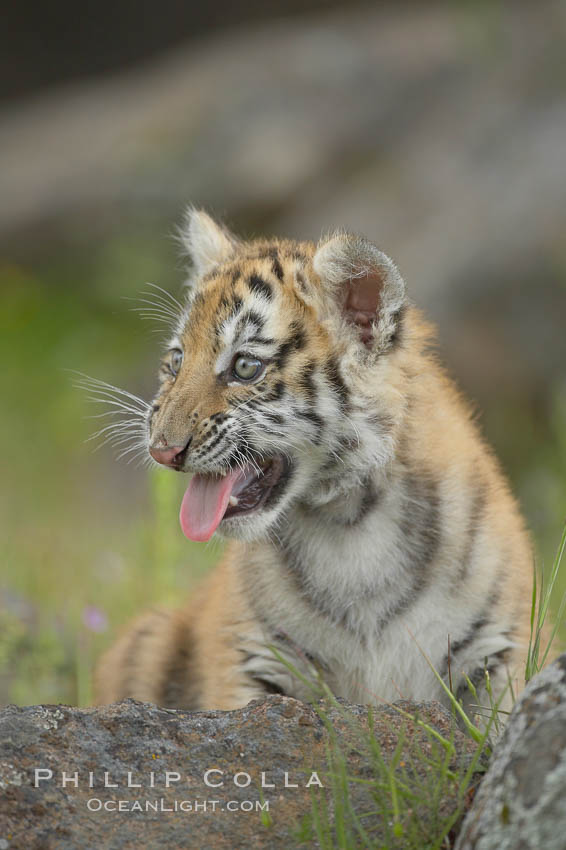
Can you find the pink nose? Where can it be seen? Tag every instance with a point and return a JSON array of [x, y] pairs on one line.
[[169, 456]]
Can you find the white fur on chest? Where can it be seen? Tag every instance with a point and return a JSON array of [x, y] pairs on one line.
[[353, 599]]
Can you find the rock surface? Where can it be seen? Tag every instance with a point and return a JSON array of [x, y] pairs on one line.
[[521, 803], [276, 736]]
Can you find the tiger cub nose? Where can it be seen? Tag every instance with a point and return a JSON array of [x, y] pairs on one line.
[[171, 456]]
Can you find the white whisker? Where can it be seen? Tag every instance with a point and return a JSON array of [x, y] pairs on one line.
[[118, 428], [86, 382], [167, 294], [118, 404], [135, 448]]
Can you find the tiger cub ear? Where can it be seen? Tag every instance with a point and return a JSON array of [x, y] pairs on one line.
[[365, 283], [207, 243]]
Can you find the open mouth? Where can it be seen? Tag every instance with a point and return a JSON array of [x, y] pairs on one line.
[[211, 498]]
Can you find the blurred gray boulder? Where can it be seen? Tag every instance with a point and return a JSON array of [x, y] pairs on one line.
[[437, 131]]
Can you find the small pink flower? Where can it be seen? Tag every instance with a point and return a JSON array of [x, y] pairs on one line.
[[95, 619]]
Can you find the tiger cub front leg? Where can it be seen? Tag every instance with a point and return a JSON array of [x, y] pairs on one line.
[[211, 654]]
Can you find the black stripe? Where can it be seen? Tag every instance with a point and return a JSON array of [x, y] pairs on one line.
[[475, 523], [419, 539], [277, 268], [279, 488], [332, 372], [179, 687], [381, 421], [477, 675], [208, 447], [295, 342], [318, 599], [482, 620], [268, 687], [343, 445], [369, 500], [457, 646], [254, 403], [276, 418], [135, 646], [420, 527], [238, 454], [232, 308], [261, 340], [209, 458], [236, 305], [313, 417], [306, 383], [267, 252], [271, 253], [250, 316], [260, 286], [348, 444], [282, 637], [276, 393]]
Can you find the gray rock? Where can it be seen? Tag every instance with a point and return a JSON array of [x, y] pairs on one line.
[[278, 736], [521, 802]]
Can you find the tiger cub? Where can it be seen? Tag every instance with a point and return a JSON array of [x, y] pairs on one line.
[[373, 534]]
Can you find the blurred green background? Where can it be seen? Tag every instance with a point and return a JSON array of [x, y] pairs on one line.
[[436, 130]]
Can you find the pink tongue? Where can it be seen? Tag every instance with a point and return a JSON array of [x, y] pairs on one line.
[[205, 502]]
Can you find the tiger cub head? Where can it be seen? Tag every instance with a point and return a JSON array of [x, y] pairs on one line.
[[277, 390]]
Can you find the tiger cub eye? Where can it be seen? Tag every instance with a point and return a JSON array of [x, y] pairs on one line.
[[176, 360], [246, 368]]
